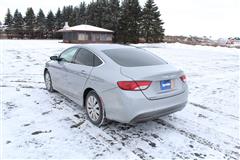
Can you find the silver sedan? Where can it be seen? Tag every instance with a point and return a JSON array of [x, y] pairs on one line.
[[117, 82]]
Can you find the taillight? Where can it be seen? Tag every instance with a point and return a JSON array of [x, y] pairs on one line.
[[183, 78], [134, 85]]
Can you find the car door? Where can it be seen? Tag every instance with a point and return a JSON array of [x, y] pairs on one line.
[[58, 69], [79, 71]]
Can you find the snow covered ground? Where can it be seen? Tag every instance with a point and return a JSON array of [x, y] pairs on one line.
[[38, 124]]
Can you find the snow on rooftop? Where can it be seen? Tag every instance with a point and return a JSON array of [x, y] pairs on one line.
[[85, 27]]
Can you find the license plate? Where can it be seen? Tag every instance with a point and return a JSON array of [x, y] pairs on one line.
[[165, 84]]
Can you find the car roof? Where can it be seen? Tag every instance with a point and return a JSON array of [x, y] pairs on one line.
[[102, 47]]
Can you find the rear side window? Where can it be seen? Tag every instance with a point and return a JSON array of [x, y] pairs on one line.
[[85, 57], [133, 57], [97, 61]]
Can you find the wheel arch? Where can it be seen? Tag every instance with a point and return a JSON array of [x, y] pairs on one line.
[[85, 93], [45, 70]]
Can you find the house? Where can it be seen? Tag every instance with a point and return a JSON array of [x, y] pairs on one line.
[[3, 34], [86, 34], [3, 27]]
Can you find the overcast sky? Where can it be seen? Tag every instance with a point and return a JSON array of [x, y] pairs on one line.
[[216, 18]]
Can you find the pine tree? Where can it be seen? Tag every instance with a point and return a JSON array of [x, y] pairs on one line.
[[74, 16], [30, 22], [8, 18], [151, 24], [91, 14], [50, 24], [103, 10], [41, 24], [106, 19], [59, 23], [64, 14], [82, 13], [114, 12], [130, 15], [17, 26], [9, 21], [94, 13], [67, 15], [103, 13]]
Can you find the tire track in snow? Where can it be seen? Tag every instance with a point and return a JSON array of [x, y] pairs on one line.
[[103, 139], [219, 138], [228, 154], [128, 136], [214, 111], [150, 141]]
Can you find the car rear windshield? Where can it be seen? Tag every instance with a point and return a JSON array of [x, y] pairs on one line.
[[133, 57]]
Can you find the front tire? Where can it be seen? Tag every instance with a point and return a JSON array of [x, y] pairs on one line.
[[48, 82], [94, 108]]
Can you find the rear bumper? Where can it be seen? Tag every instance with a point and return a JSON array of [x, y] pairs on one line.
[[158, 113], [132, 106]]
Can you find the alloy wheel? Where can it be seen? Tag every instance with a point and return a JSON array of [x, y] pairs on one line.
[[93, 108]]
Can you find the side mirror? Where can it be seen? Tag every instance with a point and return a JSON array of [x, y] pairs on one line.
[[55, 58]]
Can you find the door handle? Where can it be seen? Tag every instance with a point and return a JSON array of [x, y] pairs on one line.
[[83, 72]]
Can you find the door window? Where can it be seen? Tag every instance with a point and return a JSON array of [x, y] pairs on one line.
[[68, 54]]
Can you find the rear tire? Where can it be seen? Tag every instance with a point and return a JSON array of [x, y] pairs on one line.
[[48, 81], [94, 109]]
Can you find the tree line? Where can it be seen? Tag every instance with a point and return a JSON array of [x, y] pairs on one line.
[[129, 21]]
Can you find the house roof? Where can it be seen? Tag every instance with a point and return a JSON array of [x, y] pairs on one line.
[[86, 28]]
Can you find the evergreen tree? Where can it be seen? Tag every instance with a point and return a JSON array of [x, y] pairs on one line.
[[59, 23], [67, 15], [30, 22], [103, 13], [151, 24], [64, 14], [81, 18], [9, 21], [114, 12], [9, 18], [50, 24], [95, 13], [129, 21], [91, 14], [41, 24], [106, 19], [103, 10], [74, 17], [17, 26]]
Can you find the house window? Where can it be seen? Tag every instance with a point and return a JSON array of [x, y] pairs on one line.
[[97, 36], [109, 37], [105, 37], [82, 36]]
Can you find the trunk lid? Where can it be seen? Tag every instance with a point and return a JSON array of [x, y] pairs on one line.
[[161, 76]]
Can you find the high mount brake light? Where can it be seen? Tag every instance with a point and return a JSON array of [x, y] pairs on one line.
[[134, 85]]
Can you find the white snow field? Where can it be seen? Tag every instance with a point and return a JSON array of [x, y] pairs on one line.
[[38, 124]]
